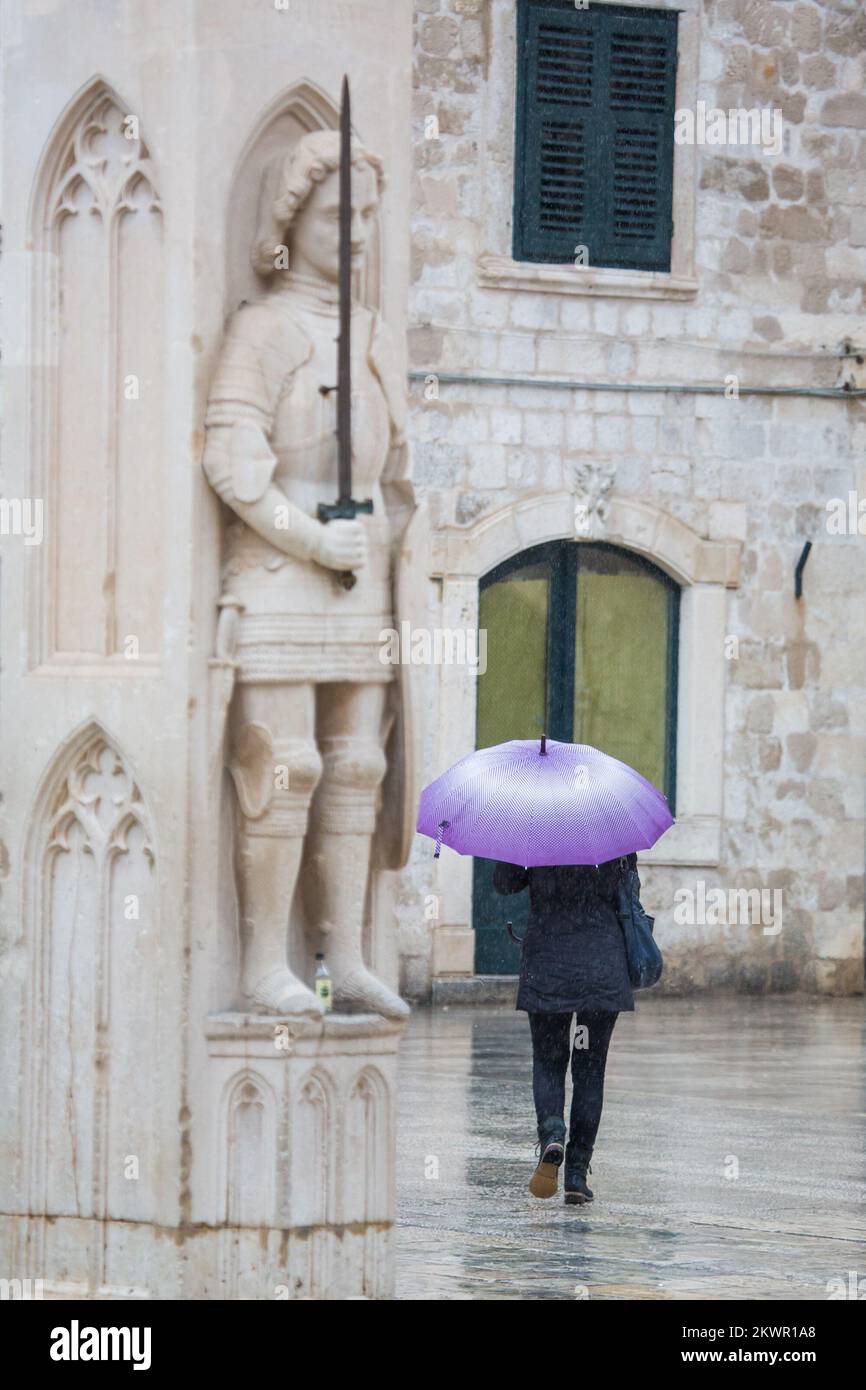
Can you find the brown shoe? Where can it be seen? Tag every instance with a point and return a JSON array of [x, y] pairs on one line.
[[545, 1179]]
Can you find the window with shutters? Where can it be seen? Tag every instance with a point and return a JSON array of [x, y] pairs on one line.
[[596, 91]]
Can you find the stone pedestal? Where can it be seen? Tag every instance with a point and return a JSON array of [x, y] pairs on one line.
[[288, 1178], [294, 1164]]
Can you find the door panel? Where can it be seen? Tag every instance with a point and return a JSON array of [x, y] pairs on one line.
[[621, 661], [511, 704]]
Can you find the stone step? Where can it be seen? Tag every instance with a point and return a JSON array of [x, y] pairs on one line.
[[475, 989]]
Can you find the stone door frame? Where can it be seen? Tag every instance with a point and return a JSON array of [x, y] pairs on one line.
[[705, 570]]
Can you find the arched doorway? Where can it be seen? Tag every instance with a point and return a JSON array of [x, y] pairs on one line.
[[581, 644]]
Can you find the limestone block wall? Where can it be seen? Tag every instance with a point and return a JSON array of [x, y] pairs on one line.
[[767, 287]]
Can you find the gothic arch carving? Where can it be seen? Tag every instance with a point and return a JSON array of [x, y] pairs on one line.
[[368, 1163], [314, 1130], [97, 348], [301, 108], [248, 1147], [93, 936]]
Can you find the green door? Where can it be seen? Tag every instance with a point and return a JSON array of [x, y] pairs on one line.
[[581, 645]]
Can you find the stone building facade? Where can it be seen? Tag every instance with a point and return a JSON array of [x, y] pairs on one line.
[[719, 490], [157, 1138]]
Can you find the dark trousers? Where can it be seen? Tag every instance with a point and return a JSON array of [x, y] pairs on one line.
[[550, 1053]]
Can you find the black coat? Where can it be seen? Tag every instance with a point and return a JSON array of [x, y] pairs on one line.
[[574, 950]]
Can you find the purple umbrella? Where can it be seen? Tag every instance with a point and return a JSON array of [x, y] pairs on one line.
[[531, 803]]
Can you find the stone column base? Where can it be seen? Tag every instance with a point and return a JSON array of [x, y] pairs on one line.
[[286, 1178], [298, 1171]]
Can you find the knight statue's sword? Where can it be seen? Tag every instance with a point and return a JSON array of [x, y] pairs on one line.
[[345, 508]]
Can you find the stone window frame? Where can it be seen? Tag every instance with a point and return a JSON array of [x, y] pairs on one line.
[[704, 569], [495, 267]]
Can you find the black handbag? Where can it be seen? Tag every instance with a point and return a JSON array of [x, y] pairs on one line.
[[645, 963]]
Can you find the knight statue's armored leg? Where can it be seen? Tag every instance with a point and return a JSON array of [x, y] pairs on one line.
[[275, 766], [343, 819]]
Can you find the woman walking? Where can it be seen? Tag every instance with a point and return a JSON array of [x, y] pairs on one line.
[[574, 963]]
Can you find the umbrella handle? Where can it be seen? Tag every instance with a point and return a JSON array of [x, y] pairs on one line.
[[443, 826]]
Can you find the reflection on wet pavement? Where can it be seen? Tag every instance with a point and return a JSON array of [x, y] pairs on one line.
[[769, 1089]]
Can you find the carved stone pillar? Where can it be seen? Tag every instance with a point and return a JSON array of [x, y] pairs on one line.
[[153, 1145]]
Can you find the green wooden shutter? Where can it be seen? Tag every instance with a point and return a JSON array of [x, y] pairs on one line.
[[594, 136]]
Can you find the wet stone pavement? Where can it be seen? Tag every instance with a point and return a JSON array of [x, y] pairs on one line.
[[775, 1086]]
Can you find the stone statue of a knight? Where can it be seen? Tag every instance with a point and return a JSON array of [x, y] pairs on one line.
[[321, 731]]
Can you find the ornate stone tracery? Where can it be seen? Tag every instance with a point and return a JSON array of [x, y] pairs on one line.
[[114, 175], [99, 795], [98, 266], [93, 942]]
